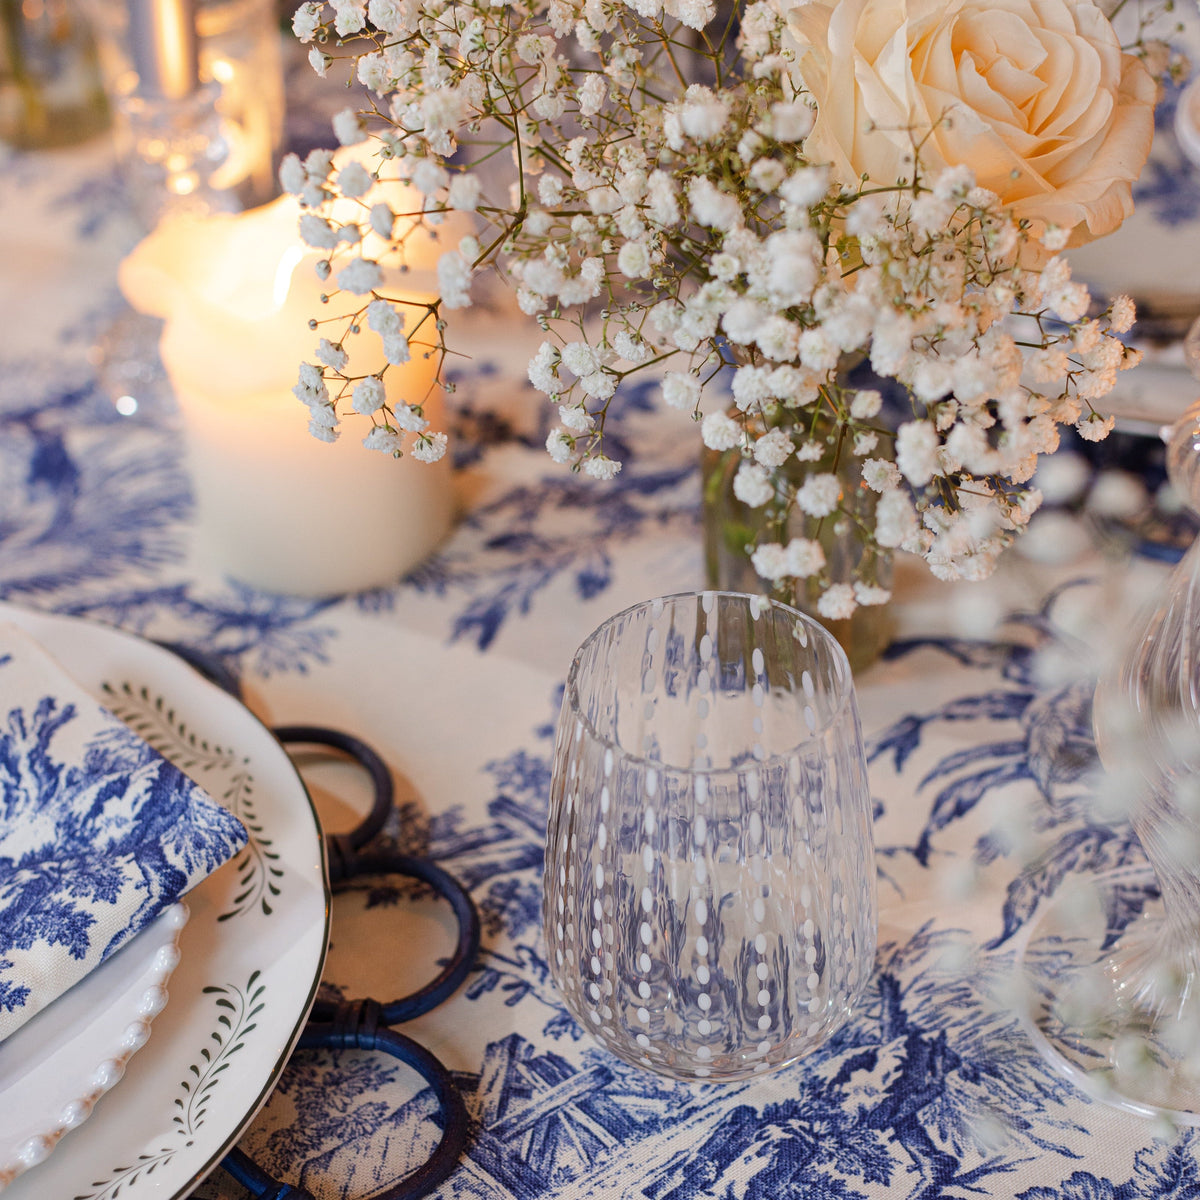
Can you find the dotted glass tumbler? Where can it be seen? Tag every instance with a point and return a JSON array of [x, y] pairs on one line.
[[709, 901]]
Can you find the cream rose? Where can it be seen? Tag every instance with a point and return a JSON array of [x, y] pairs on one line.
[[1037, 97]]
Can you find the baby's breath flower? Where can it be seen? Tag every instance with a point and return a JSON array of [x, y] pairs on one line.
[[360, 275], [703, 222]]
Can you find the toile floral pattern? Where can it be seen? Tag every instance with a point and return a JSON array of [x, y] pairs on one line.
[[98, 832]]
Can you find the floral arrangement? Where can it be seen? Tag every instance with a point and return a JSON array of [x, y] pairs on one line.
[[761, 193]]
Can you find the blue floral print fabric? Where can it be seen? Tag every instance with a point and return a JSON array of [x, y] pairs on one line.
[[98, 832]]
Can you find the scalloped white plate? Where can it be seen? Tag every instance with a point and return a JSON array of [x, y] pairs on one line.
[[60, 1062], [251, 954]]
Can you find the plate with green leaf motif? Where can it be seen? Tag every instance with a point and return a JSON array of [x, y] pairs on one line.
[[250, 956]]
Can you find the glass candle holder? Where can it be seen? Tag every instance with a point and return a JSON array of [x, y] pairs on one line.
[[709, 899]]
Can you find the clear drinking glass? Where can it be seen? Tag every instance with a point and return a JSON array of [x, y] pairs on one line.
[[709, 900]]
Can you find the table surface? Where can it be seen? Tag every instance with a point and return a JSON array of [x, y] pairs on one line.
[[977, 756]]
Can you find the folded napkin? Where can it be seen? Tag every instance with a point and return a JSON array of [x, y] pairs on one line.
[[98, 832]]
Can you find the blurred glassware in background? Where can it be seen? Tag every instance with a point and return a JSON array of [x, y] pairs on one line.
[[234, 101], [196, 88], [50, 84]]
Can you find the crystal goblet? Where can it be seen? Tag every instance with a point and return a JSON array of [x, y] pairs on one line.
[[709, 901], [1112, 961]]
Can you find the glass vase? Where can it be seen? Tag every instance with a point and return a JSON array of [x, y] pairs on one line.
[[732, 529], [709, 895]]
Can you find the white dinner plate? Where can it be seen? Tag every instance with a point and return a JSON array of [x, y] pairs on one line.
[[56, 1067], [251, 953]]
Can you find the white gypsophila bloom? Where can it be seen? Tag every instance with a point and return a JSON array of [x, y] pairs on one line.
[[751, 387], [307, 20], [770, 561], [742, 320], [819, 495], [543, 372], [385, 440], [319, 61], [680, 390], [866, 404], [332, 355], [1055, 237], [865, 440], [720, 432], [408, 419], [837, 602], [369, 395], [559, 446], [580, 359], [391, 16], [360, 275], [604, 200], [350, 16], [818, 351], [454, 280], [810, 452], [662, 207], [395, 348], [323, 433], [601, 467], [895, 519], [374, 74], [464, 193], [293, 178], [1094, 427], [349, 128], [712, 207], [767, 174], [429, 177], [778, 339], [600, 385], [316, 231], [634, 260], [752, 485], [773, 449], [592, 94], [806, 186], [1124, 313], [791, 121], [865, 217], [630, 348], [575, 417], [803, 557], [794, 257], [704, 115], [355, 180], [384, 318], [430, 447], [530, 303], [869, 596], [880, 475], [311, 389], [382, 220], [917, 444], [550, 190], [323, 415]]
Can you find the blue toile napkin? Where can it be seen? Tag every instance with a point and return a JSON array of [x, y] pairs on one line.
[[98, 832]]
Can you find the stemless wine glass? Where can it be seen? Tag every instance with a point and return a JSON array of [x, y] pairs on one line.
[[709, 902]]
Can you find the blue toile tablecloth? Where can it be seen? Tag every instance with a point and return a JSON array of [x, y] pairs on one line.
[[979, 748]]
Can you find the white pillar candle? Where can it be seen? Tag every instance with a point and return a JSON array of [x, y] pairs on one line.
[[275, 508]]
